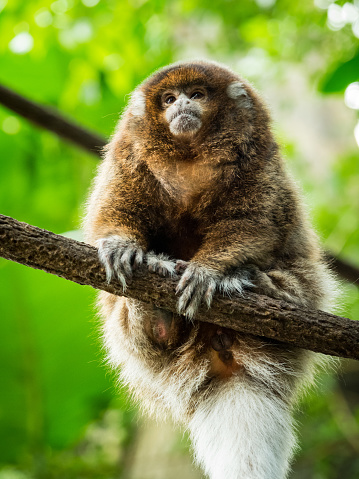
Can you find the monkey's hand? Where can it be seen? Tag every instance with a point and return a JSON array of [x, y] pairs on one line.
[[199, 283], [120, 256]]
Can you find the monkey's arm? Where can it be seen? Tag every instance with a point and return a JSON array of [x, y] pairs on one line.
[[230, 243], [120, 238], [119, 222], [227, 245]]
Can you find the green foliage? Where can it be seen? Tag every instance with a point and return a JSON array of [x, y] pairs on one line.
[[84, 57], [339, 78]]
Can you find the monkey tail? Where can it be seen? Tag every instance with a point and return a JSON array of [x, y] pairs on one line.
[[243, 431]]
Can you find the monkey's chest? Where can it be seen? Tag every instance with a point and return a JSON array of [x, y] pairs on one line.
[[182, 233], [185, 181], [180, 238]]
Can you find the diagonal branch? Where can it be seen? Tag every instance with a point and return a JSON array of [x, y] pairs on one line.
[[51, 120], [254, 314], [344, 269]]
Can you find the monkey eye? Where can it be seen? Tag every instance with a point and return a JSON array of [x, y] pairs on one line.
[[197, 95], [170, 99]]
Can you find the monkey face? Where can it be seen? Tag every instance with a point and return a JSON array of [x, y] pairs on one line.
[[183, 110], [189, 107], [186, 98]]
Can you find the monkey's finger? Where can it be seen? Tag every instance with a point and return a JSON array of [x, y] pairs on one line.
[[110, 254], [122, 280], [162, 271], [152, 262], [152, 268], [181, 266], [126, 260], [211, 289], [117, 265], [168, 267], [138, 258], [105, 257], [193, 304], [192, 298], [185, 298], [185, 281], [108, 269]]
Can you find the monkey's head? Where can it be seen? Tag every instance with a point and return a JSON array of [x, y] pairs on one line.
[[195, 105]]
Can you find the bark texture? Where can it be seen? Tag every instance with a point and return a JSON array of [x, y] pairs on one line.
[[253, 313]]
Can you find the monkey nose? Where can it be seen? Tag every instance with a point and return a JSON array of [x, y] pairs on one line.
[[183, 102]]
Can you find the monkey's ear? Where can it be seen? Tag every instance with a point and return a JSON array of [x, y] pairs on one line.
[[237, 92], [138, 103]]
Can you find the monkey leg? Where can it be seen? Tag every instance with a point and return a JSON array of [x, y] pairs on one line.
[[164, 328]]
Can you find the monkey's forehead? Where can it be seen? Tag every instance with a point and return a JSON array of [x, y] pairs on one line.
[[182, 75]]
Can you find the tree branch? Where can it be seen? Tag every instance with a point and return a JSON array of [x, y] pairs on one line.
[[344, 269], [254, 314], [51, 120]]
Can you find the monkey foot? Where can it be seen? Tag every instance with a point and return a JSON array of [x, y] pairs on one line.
[[160, 264]]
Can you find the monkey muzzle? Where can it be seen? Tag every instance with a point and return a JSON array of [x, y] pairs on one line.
[[184, 120]]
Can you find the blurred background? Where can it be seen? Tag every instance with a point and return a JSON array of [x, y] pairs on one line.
[[61, 414]]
